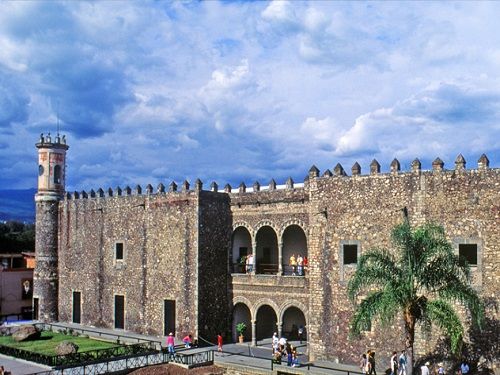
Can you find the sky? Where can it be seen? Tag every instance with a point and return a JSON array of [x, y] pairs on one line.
[[238, 91]]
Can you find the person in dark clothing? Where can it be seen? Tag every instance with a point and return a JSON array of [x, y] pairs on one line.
[[371, 359]]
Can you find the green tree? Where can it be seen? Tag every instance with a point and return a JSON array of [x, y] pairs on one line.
[[419, 282]]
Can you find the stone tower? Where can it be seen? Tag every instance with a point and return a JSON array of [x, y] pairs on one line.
[[51, 186]]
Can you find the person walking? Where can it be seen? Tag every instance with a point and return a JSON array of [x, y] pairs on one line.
[[171, 344], [371, 360], [219, 342], [394, 363], [275, 342], [424, 370], [363, 363], [402, 363]]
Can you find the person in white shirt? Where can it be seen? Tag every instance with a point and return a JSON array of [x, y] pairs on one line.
[[424, 370]]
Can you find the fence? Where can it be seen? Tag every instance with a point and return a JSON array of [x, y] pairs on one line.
[[106, 335], [132, 362]]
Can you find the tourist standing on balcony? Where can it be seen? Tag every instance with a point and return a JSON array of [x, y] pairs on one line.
[[306, 264], [293, 264], [249, 263], [300, 265]]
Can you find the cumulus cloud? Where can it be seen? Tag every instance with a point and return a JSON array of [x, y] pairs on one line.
[[441, 121], [234, 91]]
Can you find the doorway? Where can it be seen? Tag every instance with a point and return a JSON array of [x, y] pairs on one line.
[[119, 312], [168, 317], [77, 299]]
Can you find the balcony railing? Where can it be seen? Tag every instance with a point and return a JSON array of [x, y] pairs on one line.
[[267, 269]]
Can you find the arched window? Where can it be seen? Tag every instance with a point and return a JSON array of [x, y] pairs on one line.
[[57, 174]]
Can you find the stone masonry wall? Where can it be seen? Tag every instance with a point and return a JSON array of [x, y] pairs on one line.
[[214, 239], [365, 209], [160, 238], [45, 275]]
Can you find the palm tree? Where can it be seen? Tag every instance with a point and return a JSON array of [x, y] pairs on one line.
[[420, 281]]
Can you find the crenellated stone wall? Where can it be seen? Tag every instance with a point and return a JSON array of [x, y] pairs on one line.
[[178, 246]]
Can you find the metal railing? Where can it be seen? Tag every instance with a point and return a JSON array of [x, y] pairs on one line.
[[267, 269], [133, 362], [81, 357], [119, 338]]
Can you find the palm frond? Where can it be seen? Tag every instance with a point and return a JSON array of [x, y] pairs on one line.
[[442, 314], [466, 295], [379, 304], [443, 270], [375, 268]]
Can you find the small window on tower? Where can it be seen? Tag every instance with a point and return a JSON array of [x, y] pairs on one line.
[[469, 253], [119, 251], [57, 174]]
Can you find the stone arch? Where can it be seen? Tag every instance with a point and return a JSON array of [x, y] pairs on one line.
[[294, 243], [241, 246], [293, 221], [265, 223], [264, 301], [302, 307], [266, 249], [241, 223], [242, 312], [293, 315], [266, 319]]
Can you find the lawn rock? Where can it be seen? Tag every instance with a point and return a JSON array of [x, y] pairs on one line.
[[25, 333], [66, 347]]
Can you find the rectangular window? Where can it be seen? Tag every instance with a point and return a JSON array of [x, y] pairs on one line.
[[469, 253], [119, 251], [77, 298], [350, 254], [168, 317], [35, 308]]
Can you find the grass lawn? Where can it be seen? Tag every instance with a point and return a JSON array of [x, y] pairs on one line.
[[49, 340]]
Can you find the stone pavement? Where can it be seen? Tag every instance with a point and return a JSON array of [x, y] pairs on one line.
[[244, 355], [21, 367]]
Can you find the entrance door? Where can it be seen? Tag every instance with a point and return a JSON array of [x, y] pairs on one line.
[[119, 312], [77, 296], [168, 317], [35, 308]]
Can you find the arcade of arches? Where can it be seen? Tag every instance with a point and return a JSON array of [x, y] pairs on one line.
[[263, 322], [271, 254]]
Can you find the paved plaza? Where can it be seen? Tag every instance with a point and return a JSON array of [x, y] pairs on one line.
[[257, 357]]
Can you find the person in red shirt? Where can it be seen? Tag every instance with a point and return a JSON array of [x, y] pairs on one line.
[[219, 342]]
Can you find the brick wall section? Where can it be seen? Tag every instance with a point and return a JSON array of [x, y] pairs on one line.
[[215, 231]]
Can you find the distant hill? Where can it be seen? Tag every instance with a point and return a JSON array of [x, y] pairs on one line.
[[17, 205]]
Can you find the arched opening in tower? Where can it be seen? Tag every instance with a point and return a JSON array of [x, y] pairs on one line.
[[265, 322], [241, 247], [267, 251], [294, 251], [241, 314], [294, 321]]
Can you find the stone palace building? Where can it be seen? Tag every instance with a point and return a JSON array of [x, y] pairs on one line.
[[155, 260]]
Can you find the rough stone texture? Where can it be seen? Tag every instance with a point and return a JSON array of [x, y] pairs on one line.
[[45, 275], [66, 347], [26, 333], [177, 246]]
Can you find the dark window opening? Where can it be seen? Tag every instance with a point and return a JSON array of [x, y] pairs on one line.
[[77, 297], [119, 251], [350, 254], [469, 253], [119, 312], [57, 174]]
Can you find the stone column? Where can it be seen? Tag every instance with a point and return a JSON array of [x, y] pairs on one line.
[[280, 258], [280, 328], [254, 336], [254, 259]]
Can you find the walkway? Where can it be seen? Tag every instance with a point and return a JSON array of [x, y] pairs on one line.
[[257, 357]]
